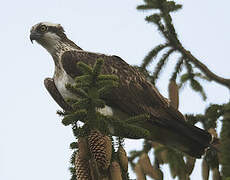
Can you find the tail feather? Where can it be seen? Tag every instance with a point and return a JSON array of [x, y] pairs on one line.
[[180, 135]]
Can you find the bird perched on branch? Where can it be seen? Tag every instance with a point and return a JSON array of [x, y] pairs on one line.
[[135, 95]]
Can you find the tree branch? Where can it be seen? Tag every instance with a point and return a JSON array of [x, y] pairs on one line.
[[175, 43], [204, 68]]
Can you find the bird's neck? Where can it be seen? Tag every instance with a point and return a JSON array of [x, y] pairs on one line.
[[58, 48]]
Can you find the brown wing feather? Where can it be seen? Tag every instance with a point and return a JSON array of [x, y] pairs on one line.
[[135, 95], [52, 89]]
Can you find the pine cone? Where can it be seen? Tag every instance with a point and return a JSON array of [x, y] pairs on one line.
[[147, 167], [115, 171], [212, 131], [145, 163], [205, 170], [83, 148], [190, 162], [101, 149], [82, 168], [173, 94], [216, 174], [108, 150], [173, 172], [139, 172], [164, 156], [161, 156], [123, 158], [155, 144]]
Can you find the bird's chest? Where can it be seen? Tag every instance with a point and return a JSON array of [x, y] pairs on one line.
[[60, 80]]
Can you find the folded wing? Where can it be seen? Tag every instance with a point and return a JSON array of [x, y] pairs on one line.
[[135, 95]]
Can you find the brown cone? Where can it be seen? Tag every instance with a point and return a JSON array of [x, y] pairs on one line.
[[205, 170], [212, 131], [158, 172], [147, 167], [216, 174], [83, 148], [100, 148], [163, 156], [82, 168], [115, 171], [173, 94], [139, 172], [190, 162], [155, 144], [173, 172], [108, 150], [123, 158]]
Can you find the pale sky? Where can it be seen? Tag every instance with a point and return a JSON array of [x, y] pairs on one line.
[[33, 142]]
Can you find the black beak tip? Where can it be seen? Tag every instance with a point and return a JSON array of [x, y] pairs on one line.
[[34, 36], [31, 40]]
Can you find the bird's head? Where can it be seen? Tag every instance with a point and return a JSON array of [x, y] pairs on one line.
[[51, 36]]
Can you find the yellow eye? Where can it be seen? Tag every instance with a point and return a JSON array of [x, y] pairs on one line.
[[43, 28]]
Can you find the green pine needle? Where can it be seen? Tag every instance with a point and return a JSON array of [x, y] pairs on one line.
[[147, 7], [81, 104], [153, 53], [104, 83], [196, 86], [73, 145], [122, 129], [184, 78], [85, 69], [161, 64], [98, 103], [107, 77], [97, 67], [137, 119], [155, 18], [171, 6], [78, 91], [72, 159], [79, 115], [84, 78], [83, 85], [177, 69], [104, 91]]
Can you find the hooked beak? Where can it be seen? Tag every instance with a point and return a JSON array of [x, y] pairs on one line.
[[34, 36]]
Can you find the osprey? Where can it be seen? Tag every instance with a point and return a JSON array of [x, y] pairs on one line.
[[134, 96]]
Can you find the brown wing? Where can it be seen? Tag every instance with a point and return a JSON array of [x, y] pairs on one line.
[[135, 95], [52, 89]]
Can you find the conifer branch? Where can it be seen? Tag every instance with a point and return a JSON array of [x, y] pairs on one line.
[[79, 115], [225, 143], [169, 32], [204, 68], [164, 23], [85, 69], [153, 53], [160, 65], [80, 92], [177, 69]]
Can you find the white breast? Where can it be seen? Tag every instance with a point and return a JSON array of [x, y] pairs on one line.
[[60, 81]]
